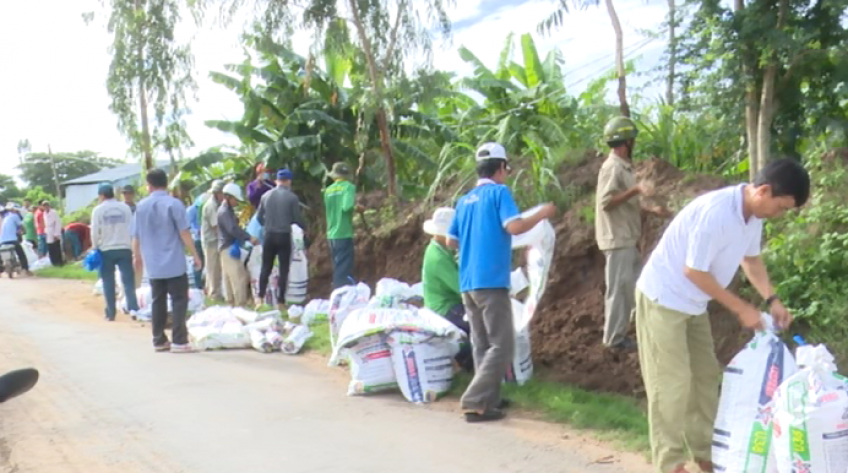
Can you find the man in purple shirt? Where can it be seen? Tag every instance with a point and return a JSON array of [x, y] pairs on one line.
[[260, 185], [160, 238]]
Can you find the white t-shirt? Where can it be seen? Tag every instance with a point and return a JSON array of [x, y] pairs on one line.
[[710, 234]]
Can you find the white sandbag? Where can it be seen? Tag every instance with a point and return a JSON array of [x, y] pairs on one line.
[[343, 301], [298, 281], [521, 368], [366, 322], [371, 367], [216, 328], [315, 311], [295, 339], [417, 289], [144, 298], [259, 342], [810, 423], [295, 312], [97, 290], [423, 364], [30, 253], [742, 436], [517, 282], [40, 263]]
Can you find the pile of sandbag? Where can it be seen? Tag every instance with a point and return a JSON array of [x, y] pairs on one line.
[[233, 327], [776, 417], [390, 343]]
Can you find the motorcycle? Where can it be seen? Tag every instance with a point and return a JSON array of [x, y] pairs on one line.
[[15, 383]]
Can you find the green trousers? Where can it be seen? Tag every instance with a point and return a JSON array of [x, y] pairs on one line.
[[682, 377]]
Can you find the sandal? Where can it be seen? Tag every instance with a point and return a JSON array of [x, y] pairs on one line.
[[485, 416]]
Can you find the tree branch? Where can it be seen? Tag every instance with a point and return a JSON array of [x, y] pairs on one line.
[[393, 37]]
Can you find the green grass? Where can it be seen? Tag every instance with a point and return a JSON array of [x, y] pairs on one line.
[[609, 417], [68, 271], [320, 341]]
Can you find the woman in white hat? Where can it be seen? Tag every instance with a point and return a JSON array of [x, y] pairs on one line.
[[440, 277]]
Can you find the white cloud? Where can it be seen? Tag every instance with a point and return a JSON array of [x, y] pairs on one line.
[[52, 89]]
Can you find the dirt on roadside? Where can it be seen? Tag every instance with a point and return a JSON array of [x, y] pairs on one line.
[[568, 326]]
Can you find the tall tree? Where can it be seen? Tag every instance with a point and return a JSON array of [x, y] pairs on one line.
[[784, 60], [37, 168], [150, 73], [9, 189], [555, 19], [387, 32]]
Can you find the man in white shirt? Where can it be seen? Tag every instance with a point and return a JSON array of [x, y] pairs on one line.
[[111, 223], [209, 236], [53, 232], [694, 262]]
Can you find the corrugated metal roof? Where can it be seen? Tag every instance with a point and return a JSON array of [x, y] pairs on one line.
[[113, 174]]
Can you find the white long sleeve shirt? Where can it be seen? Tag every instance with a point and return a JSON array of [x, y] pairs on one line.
[[53, 226], [111, 224]]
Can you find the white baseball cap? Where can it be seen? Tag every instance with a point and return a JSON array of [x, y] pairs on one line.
[[490, 151], [440, 223]]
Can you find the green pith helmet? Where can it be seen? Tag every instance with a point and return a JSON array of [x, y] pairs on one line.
[[620, 129]]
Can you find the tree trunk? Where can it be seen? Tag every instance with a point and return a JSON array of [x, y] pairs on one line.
[[766, 114], [619, 59], [146, 150], [752, 117], [672, 52], [377, 83]]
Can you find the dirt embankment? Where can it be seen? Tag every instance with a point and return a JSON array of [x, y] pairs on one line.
[[568, 327]]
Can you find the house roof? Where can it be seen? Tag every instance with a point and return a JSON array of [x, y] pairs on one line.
[[113, 174]]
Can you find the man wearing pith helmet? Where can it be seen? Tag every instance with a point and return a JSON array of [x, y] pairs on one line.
[[482, 229], [618, 227]]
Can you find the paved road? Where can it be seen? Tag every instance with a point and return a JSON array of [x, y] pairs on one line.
[[106, 402]]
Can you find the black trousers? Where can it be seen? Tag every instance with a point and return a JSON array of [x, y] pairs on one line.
[[177, 288], [54, 251], [19, 251], [276, 245], [465, 357]]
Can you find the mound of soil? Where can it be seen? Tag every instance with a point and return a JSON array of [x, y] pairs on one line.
[[567, 329]]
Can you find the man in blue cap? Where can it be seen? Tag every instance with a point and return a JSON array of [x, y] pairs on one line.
[[278, 210], [111, 233]]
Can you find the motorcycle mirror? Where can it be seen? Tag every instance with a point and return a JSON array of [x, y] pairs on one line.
[[15, 383]]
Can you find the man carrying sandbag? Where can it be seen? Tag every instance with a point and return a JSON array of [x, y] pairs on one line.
[[694, 262], [440, 279], [482, 229], [230, 237], [278, 210], [160, 240], [618, 227]]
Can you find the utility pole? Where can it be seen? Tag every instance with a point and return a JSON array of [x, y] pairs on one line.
[[55, 176]]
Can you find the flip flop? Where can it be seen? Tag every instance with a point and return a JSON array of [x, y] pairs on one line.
[[486, 416]]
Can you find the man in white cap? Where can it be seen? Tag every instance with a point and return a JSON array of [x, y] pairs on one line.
[[482, 229], [440, 278], [209, 236], [236, 277]]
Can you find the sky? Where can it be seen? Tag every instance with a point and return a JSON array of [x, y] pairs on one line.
[[53, 93]]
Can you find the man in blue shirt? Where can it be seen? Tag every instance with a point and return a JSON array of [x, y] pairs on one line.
[[482, 229], [10, 232], [193, 217], [160, 238]]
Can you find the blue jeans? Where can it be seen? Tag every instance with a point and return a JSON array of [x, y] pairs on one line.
[[123, 260], [76, 245], [42, 244], [341, 251], [198, 273]]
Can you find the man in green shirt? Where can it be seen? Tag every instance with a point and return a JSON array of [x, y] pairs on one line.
[[340, 203], [440, 278], [29, 225]]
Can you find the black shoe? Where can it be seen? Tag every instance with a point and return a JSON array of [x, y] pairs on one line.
[[505, 403], [486, 416]]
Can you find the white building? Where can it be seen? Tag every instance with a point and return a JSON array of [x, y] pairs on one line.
[[82, 191]]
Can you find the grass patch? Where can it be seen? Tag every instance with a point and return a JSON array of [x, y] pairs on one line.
[[609, 417], [320, 341], [68, 271]]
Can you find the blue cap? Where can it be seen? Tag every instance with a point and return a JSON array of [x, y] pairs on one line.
[[105, 188], [284, 175]]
